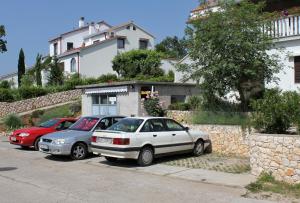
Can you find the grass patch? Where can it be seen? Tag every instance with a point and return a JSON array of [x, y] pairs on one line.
[[267, 183], [57, 112], [221, 118]]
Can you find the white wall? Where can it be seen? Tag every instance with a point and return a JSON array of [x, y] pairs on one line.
[[67, 62]]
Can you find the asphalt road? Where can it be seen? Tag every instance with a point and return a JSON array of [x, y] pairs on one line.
[[30, 176]]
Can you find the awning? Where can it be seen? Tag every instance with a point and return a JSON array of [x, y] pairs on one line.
[[107, 90]]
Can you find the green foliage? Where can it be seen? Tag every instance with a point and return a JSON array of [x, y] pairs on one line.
[[75, 108], [21, 66], [153, 107], [229, 51], [172, 47], [138, 62], [27, 80], [2, 41], [13, 121], [107, 78], [195, 102], [56, 76], [4, 84], [58, 112], [6, 95], [37, 113], [30, 92], [180, 106], [267, 183], [220, 118], [276, 111]]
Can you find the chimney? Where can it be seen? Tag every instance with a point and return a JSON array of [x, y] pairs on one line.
[[91, 28], [81, 22]]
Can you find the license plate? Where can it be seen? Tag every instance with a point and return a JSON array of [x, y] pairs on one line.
[[43, 146], [104, 140], [13, 138]]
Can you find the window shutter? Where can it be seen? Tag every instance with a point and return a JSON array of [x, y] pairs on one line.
[[297, 69]]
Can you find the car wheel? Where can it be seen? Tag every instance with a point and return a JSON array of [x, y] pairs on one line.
[[79, 151], [198, 148], [111, 159], [36, 143], [146, 156]]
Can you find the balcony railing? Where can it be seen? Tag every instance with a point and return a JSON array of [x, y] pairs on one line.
[[285, 27]]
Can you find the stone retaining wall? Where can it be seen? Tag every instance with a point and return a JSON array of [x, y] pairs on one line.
[[278, 154], [38, 102], [230, 140], [180, 116]]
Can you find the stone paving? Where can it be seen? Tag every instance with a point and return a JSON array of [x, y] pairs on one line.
[[213, 161]]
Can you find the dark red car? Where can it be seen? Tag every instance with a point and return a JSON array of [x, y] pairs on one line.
[[27, 137]]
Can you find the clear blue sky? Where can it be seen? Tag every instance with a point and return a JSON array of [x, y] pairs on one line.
[[30, 24]]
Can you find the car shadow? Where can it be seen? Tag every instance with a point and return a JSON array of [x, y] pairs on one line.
[[67, 158], [25, 149]]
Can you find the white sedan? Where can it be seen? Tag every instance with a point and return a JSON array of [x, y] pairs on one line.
[[143, 139]]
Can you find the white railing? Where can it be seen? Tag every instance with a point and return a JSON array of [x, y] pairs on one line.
[[285, 27]]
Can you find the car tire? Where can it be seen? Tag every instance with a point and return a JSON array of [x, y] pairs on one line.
[[111, 159], [79, 151], [36, 144], [198, 148], [146, 156]]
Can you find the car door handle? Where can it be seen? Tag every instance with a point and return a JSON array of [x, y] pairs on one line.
[[173, 134], [154, 135]]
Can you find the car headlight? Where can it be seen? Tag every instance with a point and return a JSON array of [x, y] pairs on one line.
[[59, 141], [24, 134]]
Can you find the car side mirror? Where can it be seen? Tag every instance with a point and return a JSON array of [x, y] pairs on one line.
[[187, 129]]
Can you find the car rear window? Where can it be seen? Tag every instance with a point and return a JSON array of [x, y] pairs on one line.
[[84, 124], [126, 125]]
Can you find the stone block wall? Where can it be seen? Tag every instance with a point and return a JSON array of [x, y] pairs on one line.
[[226, 139], [278, 154], [180, 116], [38, 102]]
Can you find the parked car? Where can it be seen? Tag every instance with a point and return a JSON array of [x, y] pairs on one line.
[[76, 141], [145, 138], [27, 137]]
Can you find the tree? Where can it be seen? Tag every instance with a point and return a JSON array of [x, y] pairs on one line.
[[138, 63], [40, 64], [21, 66], [172, 47], [229, 52], [56, 75], [2, 41]]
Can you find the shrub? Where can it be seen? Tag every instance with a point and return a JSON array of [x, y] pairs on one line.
[[4, 84], [31, 92], [37, 113], [180, 106], [107, 78], [13, 121], [153, 107], [6, 95], [276, 111], [194, 102]]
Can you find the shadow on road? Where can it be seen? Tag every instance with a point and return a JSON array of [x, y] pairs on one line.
[[2, 169], [67, 158]]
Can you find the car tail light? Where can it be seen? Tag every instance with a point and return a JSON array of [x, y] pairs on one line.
[[93, 138], [121, 141]]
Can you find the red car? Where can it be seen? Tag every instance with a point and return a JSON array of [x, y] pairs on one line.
[[28, 137]]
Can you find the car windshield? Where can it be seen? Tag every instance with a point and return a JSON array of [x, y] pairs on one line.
[[84, 124], [126, 125], [49, 124]]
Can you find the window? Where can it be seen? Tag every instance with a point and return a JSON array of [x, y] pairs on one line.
[[84, 124], [174, 126], [157, 125], [128, 27], [95, 99], [103, 124], [116, 119], [55, 48], [297, 69], [143, 44], [69, 45], [134, 28], [147, 127], [73, 65], [126, 125], [96, 41], [121, 43]]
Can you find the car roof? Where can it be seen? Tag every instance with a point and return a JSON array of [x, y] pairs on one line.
[[148, 117], [103, 116]]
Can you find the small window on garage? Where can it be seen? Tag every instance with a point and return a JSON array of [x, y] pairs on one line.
[[95, 99], [177, 99], [297, 69]]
